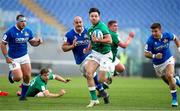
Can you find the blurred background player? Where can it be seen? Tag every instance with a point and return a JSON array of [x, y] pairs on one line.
[[76, 40], [101, 56], [157, 49], [38, 86], [113, 28], [16, 56]]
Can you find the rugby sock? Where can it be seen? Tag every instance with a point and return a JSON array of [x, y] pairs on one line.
[[24, 89], [174, 95], [99, 86], [92, 91], [177, 81]]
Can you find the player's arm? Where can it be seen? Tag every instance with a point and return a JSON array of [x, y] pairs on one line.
[[59, 78], [67, 47], [5, 52], [106, 39], [86, 50], [127, 42], [148, 54], [35, 41], [48, 94], [177, 42]]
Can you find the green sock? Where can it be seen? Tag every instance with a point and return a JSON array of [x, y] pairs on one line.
[[92, 91]]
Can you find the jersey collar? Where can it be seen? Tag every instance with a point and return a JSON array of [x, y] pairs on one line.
[[18, 28], [78, 32]]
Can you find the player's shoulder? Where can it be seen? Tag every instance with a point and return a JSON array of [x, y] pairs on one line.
[[27, 29], [150, 39], [70, 33], [167, 34], [10, 30], [102, 24]]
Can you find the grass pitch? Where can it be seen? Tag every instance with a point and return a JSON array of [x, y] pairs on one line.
[[125, 94]]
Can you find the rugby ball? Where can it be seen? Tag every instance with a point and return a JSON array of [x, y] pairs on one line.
[[98, 34]]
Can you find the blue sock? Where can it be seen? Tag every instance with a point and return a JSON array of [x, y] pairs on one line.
[[177, 80], [174, 95], [99, 86], [24, 90]]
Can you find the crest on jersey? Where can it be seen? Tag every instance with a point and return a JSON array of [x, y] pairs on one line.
[[165, 41], [26, 34], [86, 36], [155, 43]]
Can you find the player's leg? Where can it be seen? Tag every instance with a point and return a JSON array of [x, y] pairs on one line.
[[26, 69], [90, 68], [172, 83], [119, 68], [15, 73]]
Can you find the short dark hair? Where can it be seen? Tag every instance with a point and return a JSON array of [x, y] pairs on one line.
[[18, 16], [111, 22], [94, 10], [44, 70], [156, 25]]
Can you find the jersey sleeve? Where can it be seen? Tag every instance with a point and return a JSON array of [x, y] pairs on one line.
[[51, 76], [171, 36], [67, 38], [42, 87], [116, 39], [105, 30], [148, 46], [6, 37], [31, 36]]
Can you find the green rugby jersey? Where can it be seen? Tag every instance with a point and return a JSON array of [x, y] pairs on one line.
[[38, 85], [102, 48], [114, 45]]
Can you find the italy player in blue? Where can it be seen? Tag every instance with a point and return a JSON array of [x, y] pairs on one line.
[[16, 54], [158, 49], [77, 40]]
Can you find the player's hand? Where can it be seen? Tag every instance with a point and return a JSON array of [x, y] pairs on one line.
[[158, 56], [62, 92], [86, 50], [74, 44], [131, 34], [67, 80], [40, 40], [9, 60], [94, 39]]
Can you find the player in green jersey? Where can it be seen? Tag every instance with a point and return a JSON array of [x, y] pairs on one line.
[[101, 56], [38, 86], [117, 42]]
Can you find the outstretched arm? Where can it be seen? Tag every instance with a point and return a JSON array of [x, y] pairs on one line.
[[48, 94], [127, 42], [59, 78]]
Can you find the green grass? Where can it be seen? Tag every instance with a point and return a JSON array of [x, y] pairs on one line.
[[125, 94]]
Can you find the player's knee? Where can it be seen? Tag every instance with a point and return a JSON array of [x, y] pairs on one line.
[[17, 79], [169, 76], [89, 75], [120, 69], [101, 80]]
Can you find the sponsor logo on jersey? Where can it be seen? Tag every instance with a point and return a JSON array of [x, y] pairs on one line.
[[21, 40]]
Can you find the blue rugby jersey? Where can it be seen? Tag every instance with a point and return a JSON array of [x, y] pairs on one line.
[[82, 42], [17, 41], [160, 46]]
